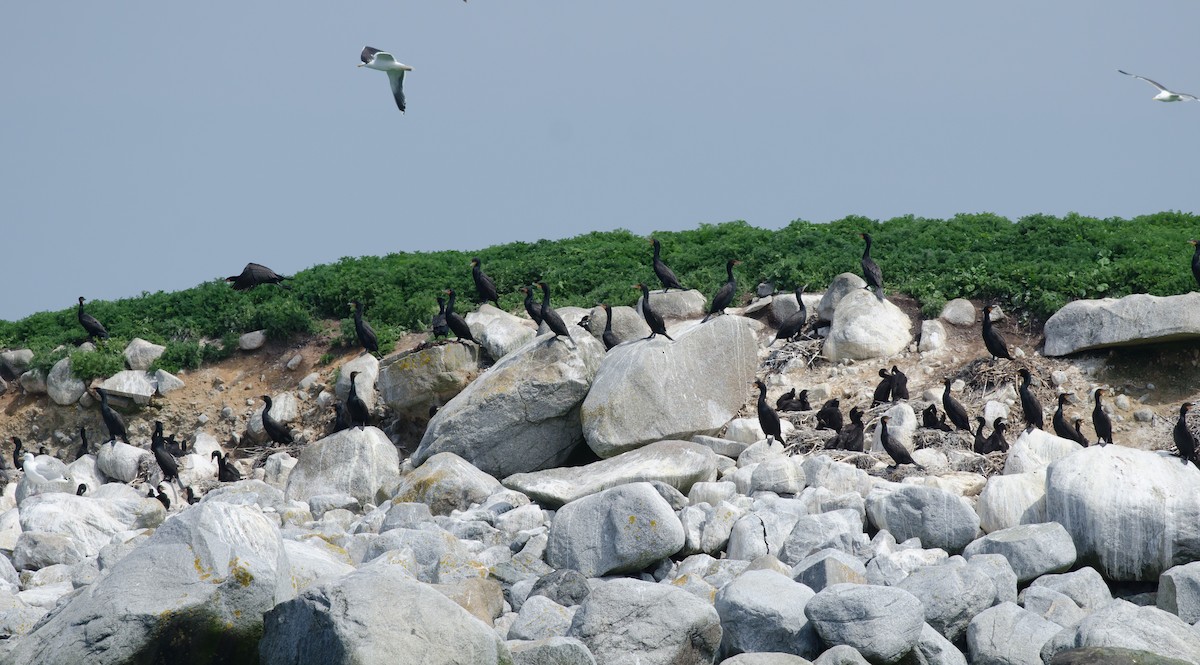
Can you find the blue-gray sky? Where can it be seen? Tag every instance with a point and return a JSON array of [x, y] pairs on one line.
[[150, 146]]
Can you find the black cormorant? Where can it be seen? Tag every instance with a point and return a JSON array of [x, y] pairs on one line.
[[793, 325], [768, 420], [800, 403], [992, 338], [1185, 441], [871, 272], [341, 421], [894, 449], [226, 471], [550, 317], [1079, 436], [90, 324], [1196, 261], [851, 436], [112, 419], [83, 447], [980, 445], [1062, 428], [1100, 420], [276, 432], [1030, 406], [18, 453], [366, 336], [899, 384], [725, 294], [608, 337], [161, 496], [531, 308], [789, 395], [665, 274], [484, 285], [456, 322], [996, 442], [356, 408], [657, 326], [929, 419], [79, 491], [439, 325], [830, 416], [253, 275], [956, 411], [166, 461], [883, 391], [192, 499]]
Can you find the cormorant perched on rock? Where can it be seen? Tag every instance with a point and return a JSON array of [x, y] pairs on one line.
[[871, 272], [800, 403], [851, 436], [18, 452], [1100, 420], [1030, 406], [956, 411], [356, 408], [657, 326], [725, 294], [992, 338], [276, 432], [768, 420], [166, 461], [996, 443], [456, 322], [192, 499], [830, 416], [439, 325], [79, 491], [83, 447], [894, 449], [169, 443], [608, 337], [793, 325], [899, 384], [226, 471], [550, 317], [253, 275], [341, 421], [112, 419], [1062, 428], [531, 308], [929, 419], [1079, 435], [484, 285], [665, 274], [1196, 261], [366, 336], [789, 395], [980, 445], [161, 496], [90, 324], [883, 391], [1185, 441]]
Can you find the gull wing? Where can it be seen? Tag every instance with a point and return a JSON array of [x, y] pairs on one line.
[[368, 53], [1153, 83], [396, 78]]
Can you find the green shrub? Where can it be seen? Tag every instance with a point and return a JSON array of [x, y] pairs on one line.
[[99, 364]]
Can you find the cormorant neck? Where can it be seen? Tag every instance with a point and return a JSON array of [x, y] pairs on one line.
[[608, 320], [658, 249], [729, 270]]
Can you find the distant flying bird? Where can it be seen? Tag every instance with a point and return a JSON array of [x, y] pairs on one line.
[[253, 275], [1163, 95], [373, 58]]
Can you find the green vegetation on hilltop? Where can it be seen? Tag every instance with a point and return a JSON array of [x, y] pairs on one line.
[[1032, 266]]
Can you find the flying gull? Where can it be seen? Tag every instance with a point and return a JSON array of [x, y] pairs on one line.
[[1163, 95], [373, 58]]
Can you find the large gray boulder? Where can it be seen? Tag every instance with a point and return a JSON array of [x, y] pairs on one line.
[[90, 522], [621, 529], [882, 623], [1136, 319], [1036, 449], [367, 367], [1179, 591], [498, 331], [413, 382], [33, 382], [960, 312], [552, 651], [1008, 635], [939, 518], [120, 461], [195, 591], [1112, 656], [951, 595], [762, 610], [62, 386], [16, 362], [1031, 549], [680, 464], [637, 396], [140, 354], [445, 482], [866, 327], [362, 463], [841, 285], [1123, 624], [285, 409], [1009, 500], [631, 622], [676, 304], [628, 324], [374, 616], [523, 413], [837, 529], [540, 618], [1085, 587], [1132, 513], [136, 385]]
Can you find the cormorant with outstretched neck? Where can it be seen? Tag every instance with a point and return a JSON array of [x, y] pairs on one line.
[[439, 325], [657, 326], [871, 272], [665, 274], [768, 420], [830, 416], [608, 336], [1100, 420], [799, 403], [166, 461], [980, 445], [18, 452], [253, 275], [724, 295], [956, 411], [929, 419], [883, 391], [899, 384], [356, 408], [1185, 441], [1030, 407], [793, 325], [1196, 261], [366, 335], [83, 447], [226, 471], [894, 449], [531, 308], [484, 285], [550, 317], [112, 419], [90, 324], [276, 432], [455, 320], [992, 338], [851, 436], [161, 496]]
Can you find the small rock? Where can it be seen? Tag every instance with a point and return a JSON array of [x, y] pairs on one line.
[[1122, 402], [933, 336], [252, 341], [961, 312], [1032, 549], [140, 354], [202, 419], [167, 382], [1143, 415], [33, 382], [1058, 377], [294, 362]]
